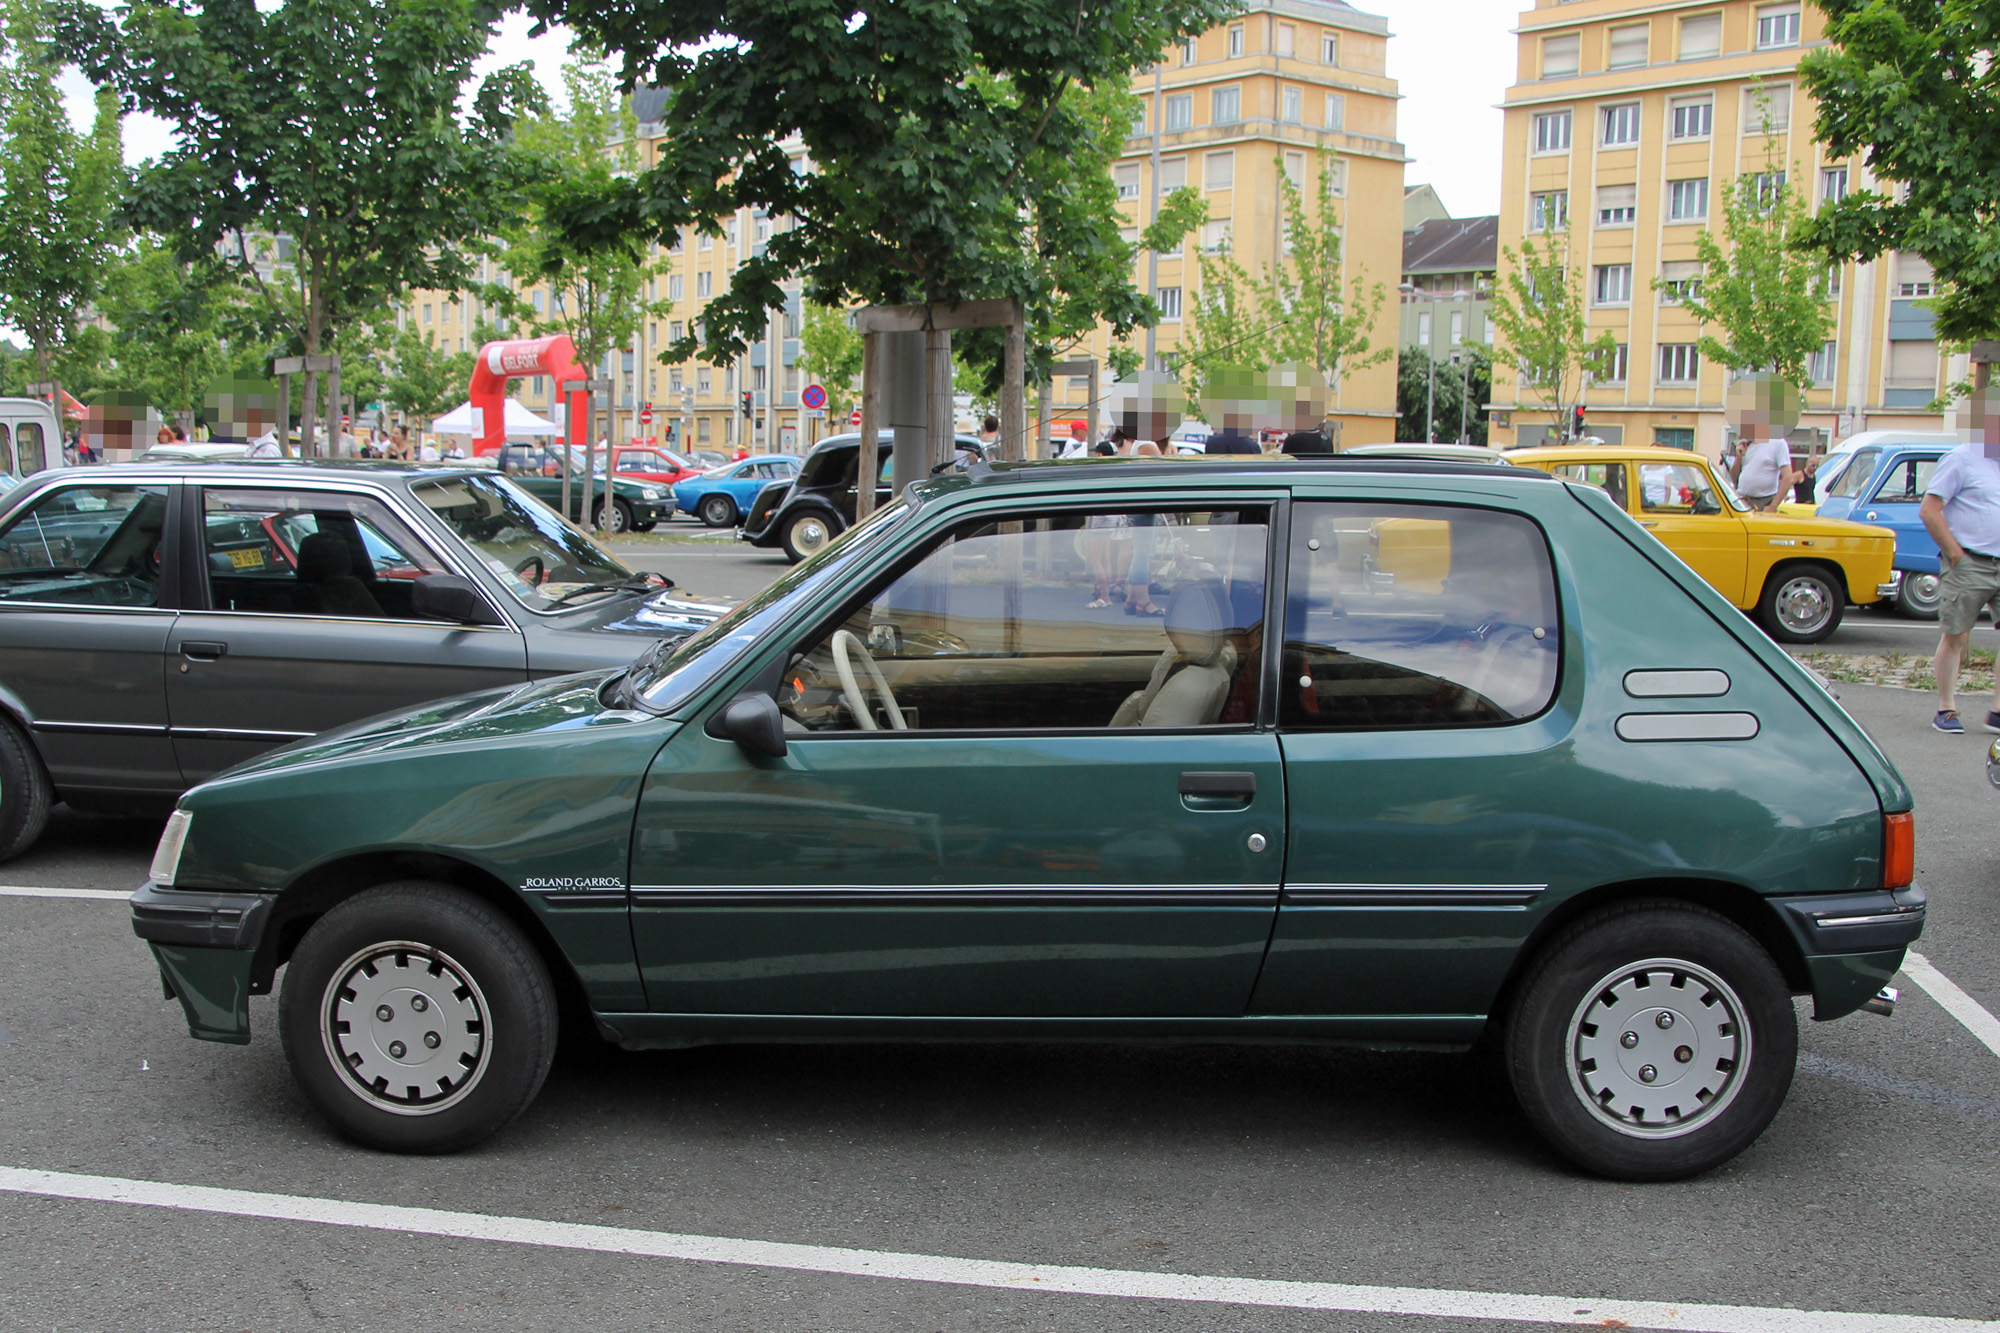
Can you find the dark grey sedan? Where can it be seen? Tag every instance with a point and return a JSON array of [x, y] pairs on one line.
[[162, 622]]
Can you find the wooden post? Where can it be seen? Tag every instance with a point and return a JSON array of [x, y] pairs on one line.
[[1014, 392], [1041, 440], [937, 384], [1984, 353], [1090, 412], [869, 457], [285, 413], [309, 412]]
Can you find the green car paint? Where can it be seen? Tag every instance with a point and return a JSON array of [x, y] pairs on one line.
[[1054, 883]]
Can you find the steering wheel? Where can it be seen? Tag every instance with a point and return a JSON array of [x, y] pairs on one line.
[[845, 646], [541, 570]]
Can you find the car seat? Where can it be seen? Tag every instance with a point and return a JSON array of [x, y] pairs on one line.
[[327, 585], [1190, 682]]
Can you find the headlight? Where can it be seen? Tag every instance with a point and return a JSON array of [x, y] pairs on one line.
[[167, 856], [653, 493]]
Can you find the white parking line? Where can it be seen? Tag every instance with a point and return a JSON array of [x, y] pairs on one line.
[[1125, 1284], [29, 891], [1978, 1020]]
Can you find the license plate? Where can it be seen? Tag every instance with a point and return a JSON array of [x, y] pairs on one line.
[[250, 559]]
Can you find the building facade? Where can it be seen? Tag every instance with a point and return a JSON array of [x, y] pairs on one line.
[[1627, 126], [1447, 287]]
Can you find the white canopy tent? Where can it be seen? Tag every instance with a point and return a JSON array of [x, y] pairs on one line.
[[520, 421]]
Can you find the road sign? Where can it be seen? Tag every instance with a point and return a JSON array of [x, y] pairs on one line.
[[646, 415], [854, 417], [813, 397]]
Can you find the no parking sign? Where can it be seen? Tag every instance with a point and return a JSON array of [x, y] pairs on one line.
[[813, 398]]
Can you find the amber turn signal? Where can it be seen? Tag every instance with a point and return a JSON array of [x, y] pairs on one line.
[[1899, 850]]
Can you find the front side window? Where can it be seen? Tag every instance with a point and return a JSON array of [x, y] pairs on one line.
[[1860, 466], [1416, 616], [314, 553], [1905, 482], [1676, 488], [32, 448], [534, 554], [1075, 621], [86, 546]]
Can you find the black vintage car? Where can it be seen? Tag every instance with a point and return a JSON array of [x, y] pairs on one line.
[[162, 622], [802, 515]]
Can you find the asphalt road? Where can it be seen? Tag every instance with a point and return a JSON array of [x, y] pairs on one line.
[[1877, 1190]]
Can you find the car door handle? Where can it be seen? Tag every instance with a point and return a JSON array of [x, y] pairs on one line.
[[1649, 523], [1225, 786], [203, 652]]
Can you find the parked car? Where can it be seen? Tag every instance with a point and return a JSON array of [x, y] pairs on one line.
[[928, 784], [1885, 484], [634, 506], [30, 437], [1796, 575], [161, 623], [802, 516], [655, 464], [1843, 453], [1437, 453], [719, 496]]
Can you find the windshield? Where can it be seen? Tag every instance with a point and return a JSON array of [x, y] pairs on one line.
[[535, 555], [1845, 480], [663, 681], [1723, 484]]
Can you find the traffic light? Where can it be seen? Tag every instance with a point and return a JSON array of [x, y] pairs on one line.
[[1576, 426], [749, 403]]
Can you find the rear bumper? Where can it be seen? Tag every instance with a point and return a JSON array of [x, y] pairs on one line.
[[206, 946], [1853, 942]]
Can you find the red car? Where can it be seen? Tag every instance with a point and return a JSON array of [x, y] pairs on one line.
[[653, 463]]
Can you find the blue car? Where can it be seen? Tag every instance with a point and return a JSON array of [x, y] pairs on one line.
[[721, 496], [1884, 484]]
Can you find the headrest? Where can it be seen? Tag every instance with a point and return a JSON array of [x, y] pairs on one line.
[[1198, 622], [323, 556]]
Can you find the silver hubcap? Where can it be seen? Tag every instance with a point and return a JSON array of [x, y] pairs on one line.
[[1658, 1048], [809, 535], [1921, 589], [408, 1026], [1803, 605]]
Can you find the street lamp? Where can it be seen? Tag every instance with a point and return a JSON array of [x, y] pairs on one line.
[[1431, 299]]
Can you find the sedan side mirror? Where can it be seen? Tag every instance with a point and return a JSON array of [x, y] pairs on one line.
[[753, 722], [449, 597]]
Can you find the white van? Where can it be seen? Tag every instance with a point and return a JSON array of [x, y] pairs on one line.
[[30, 439]]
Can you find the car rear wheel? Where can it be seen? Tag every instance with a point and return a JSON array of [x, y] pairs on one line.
[[1918, 596], [1652, 1041], [25, 793], [616, 517], [417, 1019], [1802, 604], [718, 511], [807, 534]]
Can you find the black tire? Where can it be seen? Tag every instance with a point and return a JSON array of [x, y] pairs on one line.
[[1724, 1043], [1918, 596], [25, 793], [618, 518], [644, 527], [717, 510], [436, 950], [807, 533], [1801, 604]]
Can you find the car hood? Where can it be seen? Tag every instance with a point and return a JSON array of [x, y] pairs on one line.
[[671, 614]]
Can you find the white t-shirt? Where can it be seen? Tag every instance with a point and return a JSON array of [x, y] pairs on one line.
[[1764, 464], [1969, 484], [266, 446]]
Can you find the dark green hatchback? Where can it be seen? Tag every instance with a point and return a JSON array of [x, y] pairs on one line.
[[1383, 752]]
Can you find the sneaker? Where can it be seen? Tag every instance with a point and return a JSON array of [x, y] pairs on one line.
[[1947, 721], [1993, 723]]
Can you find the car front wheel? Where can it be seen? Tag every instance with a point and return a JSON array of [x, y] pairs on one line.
[[1802, 604], [24, 793], [808, 534], [1918, 596], [718, 511], [615, 517], [417, 1019], [1652, 1041]]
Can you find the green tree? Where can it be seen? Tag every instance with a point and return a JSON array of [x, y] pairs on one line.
[[830, 353], [173, 323], [342, 126], [1226, 325], [1415, 403], [1538, 310], [57, 190], [424, 380], [1321, 319], [1911, 86]]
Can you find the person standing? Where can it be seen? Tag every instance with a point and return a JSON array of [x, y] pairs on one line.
[[1961, 511], [1763, 408]]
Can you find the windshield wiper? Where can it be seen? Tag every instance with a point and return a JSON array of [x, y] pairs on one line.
[[636, 583], [623, 688]]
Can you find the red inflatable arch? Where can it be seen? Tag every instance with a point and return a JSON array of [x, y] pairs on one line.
[[502, 361]]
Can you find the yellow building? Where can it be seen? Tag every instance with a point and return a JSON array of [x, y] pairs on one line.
[[1628, 123], [1226, 112]]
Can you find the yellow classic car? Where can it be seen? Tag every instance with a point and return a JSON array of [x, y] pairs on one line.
[[1797, 575]]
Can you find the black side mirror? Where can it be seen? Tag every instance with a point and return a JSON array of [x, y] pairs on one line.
[[753, 722], [449, 597]]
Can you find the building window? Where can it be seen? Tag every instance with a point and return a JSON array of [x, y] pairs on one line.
[[1173, 174], [676, 287], [1614, 284], [1236, 40], [1673, 437], [1170, 302], [704, 284], [1138, 122], [1288, 39], [1694, 118], [1126, 176], [1768, 186], [1913, 364], [1180, 112], [1621, 364], [704, 242], [541, 302], [1687, 201], [676, 378], [1336, 176], [1679, 280], [1621, 124], [1424, 330], [1561, 56], [1914, 276], [1629, 46], [1832, 184], [1457, 327], [1295, 170], [1822, 365], [1617, 205], [1552, 132], [1225, 106], [1777, 25], [1329, 49], [676, 330], [675, 246], [1701, 37], [1548, 211], [704, 380], [427, 312], [1218, 170], [1188, 52], [1215, 235], [1336, 111], [1294, 102], [1767, 110], [1680, 363]]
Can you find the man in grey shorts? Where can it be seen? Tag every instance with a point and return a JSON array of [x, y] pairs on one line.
[[1961, 511]]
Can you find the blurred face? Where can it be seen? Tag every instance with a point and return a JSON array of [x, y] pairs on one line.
[[164, 437], [1979, 419]]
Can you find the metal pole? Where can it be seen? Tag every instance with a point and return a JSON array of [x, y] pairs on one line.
[[333, 409], [1013, 391], [1464, 393], [869, 461], [1430, 398], [939, 434], [1040, 442], [285, 415]]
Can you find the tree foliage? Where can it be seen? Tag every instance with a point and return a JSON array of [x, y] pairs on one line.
[[1912, 86], [830, 354], [426, 381], [57, 190], [1415, 402], [1544, 328], [175, 324]]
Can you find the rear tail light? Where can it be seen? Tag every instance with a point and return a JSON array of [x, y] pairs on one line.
[[1899, 850]]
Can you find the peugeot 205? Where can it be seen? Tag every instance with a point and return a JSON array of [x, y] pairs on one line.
[[1563, 799]]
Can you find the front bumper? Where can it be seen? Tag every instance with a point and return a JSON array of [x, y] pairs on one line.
[[206, 946], [1892, 587], [1853, 942]]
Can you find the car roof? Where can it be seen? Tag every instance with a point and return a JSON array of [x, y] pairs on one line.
[[212, 470], [1213, 469], [1598, 453]]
